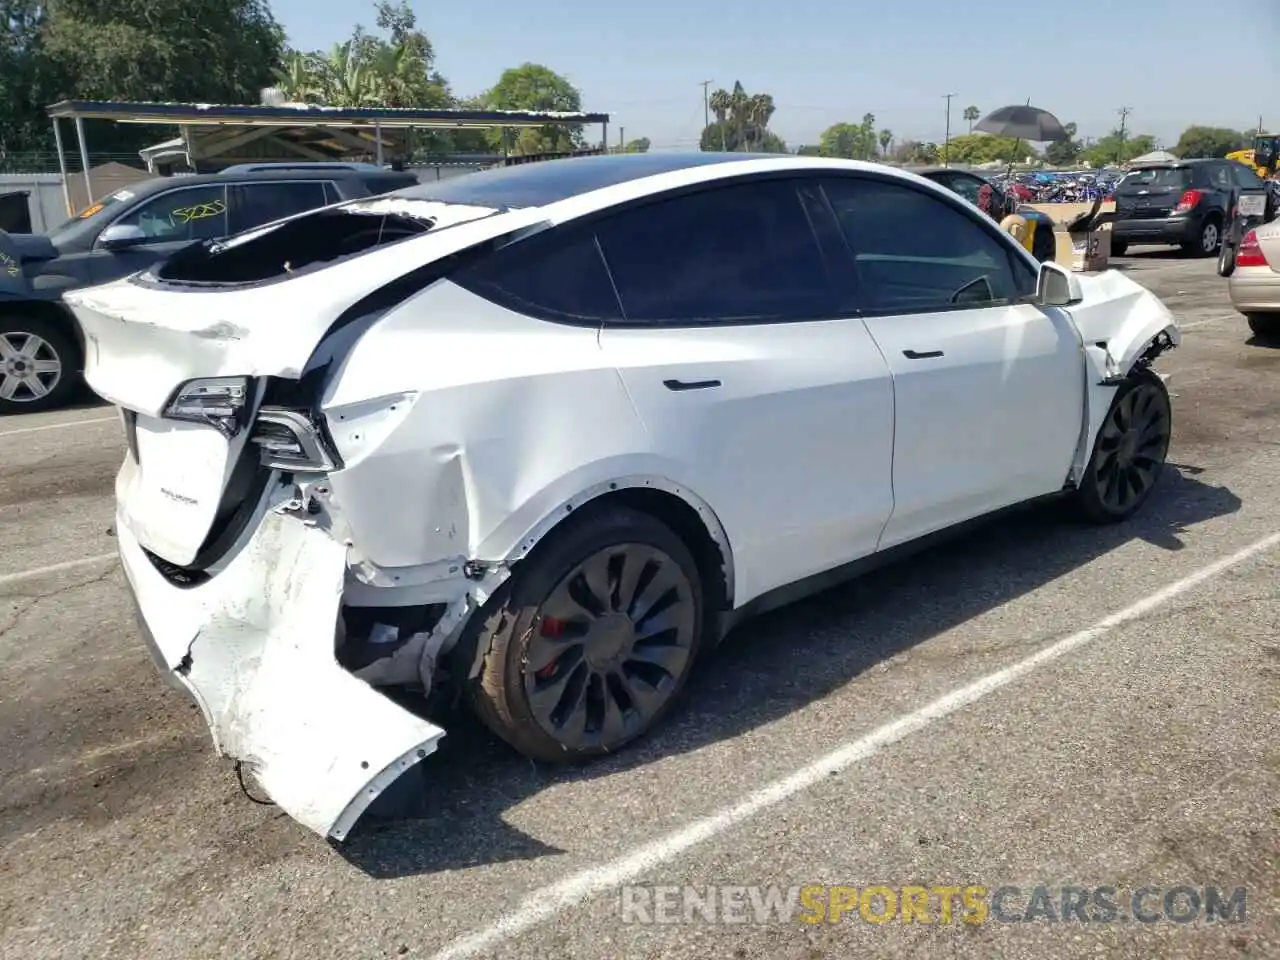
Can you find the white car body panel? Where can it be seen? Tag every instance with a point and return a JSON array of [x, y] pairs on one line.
[[793, 448], [978, 428], [467, 432]]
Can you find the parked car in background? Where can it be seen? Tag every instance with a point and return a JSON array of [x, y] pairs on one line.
[[997, 204], [1255, 283], [558, 427], [41, 347], [1187, 203]]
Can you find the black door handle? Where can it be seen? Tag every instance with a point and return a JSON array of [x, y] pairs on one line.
[[912, 355], [690, 384]]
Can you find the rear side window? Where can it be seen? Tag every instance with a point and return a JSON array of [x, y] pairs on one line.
[[739, 253], [254, 204], [1220, 176], [557, 275], [1247, 178], [916, 253]]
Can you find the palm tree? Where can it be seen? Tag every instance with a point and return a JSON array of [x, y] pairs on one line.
[[296, 77], [886, 140], [971, 113]]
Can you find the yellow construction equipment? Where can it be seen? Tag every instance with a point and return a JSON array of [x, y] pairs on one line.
[[1264, 155]]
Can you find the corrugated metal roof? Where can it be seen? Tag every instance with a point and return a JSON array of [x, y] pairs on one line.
[[199, 114]]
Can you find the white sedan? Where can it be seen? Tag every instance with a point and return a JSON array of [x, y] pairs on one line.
[[553, 429]]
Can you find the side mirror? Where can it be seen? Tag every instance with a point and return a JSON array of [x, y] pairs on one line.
[[121, 235], [1057, 287]]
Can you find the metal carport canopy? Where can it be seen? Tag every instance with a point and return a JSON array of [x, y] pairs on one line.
[[294, 115]]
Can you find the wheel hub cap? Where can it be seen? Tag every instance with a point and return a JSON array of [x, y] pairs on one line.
[[609, 641], [29, 367]]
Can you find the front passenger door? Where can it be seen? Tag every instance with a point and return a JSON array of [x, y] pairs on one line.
[[988, 389]]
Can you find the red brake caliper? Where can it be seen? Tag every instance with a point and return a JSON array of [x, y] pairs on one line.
[[550, 627]]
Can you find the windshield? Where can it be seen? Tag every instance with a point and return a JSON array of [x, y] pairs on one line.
[[1150, 178], [101, 205]]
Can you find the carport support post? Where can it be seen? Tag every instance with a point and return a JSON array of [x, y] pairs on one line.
[[377, 139], [84, 159], [62, 166]]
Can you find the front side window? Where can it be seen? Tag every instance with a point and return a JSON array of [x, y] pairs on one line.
[[192, 213], [738, 253], [916, 253], [1247, 178]]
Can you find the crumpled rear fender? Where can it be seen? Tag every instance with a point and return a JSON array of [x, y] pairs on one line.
[[1123, 327], [254, 647]]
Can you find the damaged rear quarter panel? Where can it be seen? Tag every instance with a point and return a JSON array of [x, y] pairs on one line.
[[496, 439]]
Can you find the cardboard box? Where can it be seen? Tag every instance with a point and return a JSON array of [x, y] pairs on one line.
[[1084, 252]]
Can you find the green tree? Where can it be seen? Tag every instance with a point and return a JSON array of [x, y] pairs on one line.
[[639, 145], [741, 122], [808, 150], [533, 87], [1197, 141], [1112, 149], [973, 148], [886, 141], [852, 141], [971, 113], [1063, 153], [916, 152], [211, 51]]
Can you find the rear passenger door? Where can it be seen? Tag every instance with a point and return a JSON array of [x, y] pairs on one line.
[[988, 389], [757, 384], [253, 204]]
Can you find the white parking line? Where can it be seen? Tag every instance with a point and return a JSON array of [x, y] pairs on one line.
[[56, 426], [549, 901], [8, 578], [1201, 323]]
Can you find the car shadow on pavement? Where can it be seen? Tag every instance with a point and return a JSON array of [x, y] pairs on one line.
[[448, 814]]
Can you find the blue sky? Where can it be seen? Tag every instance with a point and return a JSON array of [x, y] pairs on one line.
[[825, 61]]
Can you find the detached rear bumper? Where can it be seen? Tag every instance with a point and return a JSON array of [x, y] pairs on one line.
[[254, 647]]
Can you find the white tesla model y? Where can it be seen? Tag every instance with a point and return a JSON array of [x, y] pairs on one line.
[[552, 429]]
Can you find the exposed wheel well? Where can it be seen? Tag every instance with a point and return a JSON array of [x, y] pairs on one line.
[[49, 310], [684, 521]]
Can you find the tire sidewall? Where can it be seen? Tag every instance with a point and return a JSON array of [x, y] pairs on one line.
[[63, 343], [503, 670], [1088, 489]]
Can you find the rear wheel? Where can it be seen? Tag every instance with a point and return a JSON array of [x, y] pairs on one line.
[[38, 365], [590, 641], [1265, 325], [1206, 244], [1129, 452]]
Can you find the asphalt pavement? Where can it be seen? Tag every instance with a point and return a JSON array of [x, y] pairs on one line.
[[1041, 704]]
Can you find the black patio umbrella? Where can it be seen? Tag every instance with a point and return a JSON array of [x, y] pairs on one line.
[[1024, 122]]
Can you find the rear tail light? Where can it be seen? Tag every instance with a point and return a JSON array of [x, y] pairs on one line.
[[288, 440], [220, 402], [1250, 252], [1188, 201]]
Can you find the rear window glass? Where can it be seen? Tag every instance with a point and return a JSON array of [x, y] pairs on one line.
[[1150, 177]]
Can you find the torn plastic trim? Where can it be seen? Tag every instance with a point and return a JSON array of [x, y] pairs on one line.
[[255, 648]]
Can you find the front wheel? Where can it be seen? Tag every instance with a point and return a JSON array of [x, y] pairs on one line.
[[38, 365], [1118, 248], [591, 639], [1227, 259], [1129, 452], [1044, 246]]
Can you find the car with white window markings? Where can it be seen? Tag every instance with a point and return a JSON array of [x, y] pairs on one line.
[[552, 430]]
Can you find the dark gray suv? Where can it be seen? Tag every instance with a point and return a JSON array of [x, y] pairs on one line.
[[41, 347], [1186, 203]]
